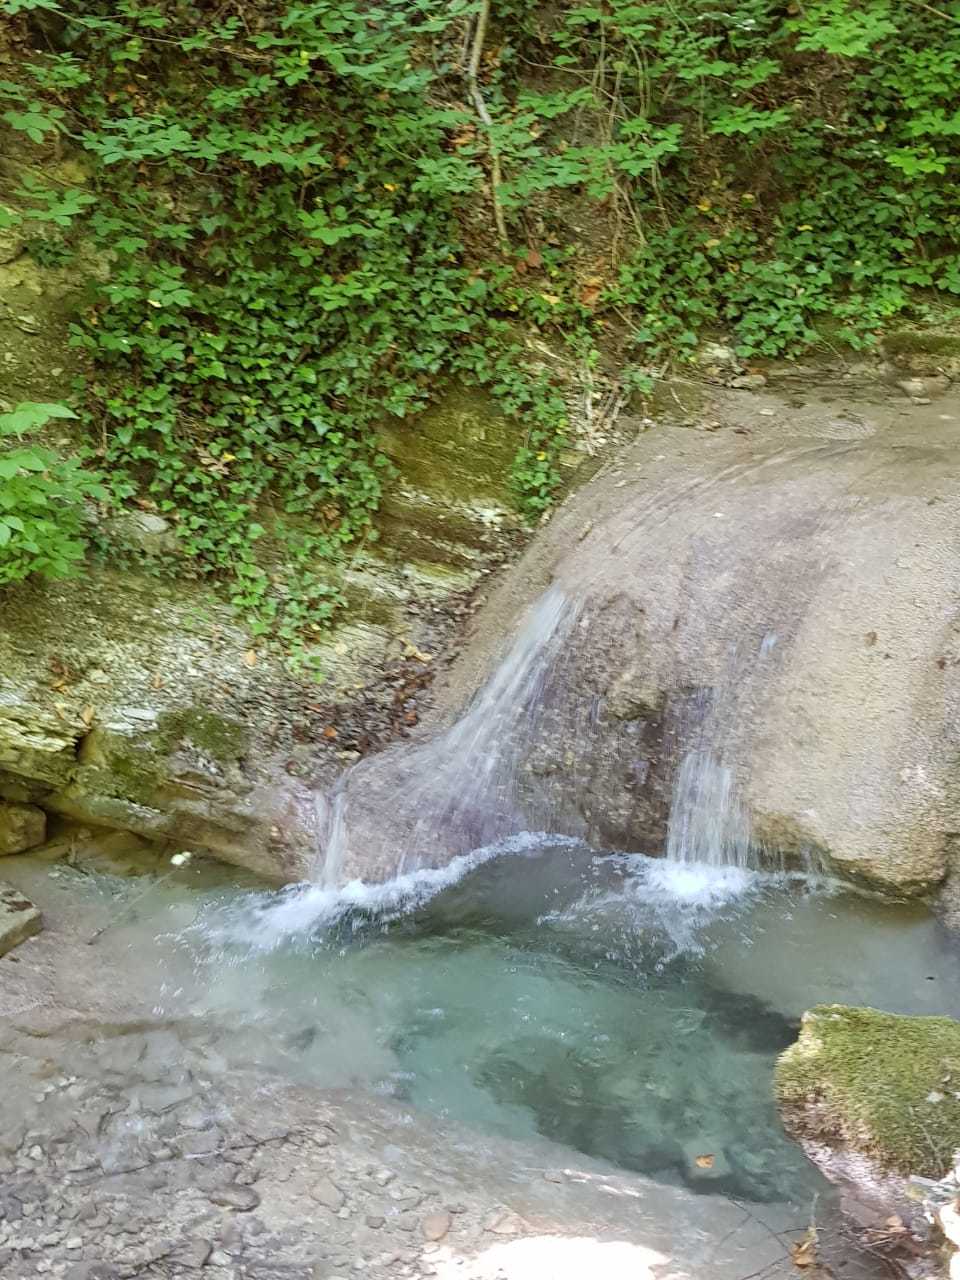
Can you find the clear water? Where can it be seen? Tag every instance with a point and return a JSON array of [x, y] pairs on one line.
[[625, 1007]]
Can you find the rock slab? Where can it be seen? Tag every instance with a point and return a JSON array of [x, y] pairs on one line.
[[19, 918]]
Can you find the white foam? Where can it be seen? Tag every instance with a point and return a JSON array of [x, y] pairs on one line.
[[700, 884], [270, 921]]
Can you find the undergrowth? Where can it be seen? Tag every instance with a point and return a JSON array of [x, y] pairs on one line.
[[319, 212]]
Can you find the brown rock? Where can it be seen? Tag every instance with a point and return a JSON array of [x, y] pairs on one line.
[[22, 826], [436, 1225]]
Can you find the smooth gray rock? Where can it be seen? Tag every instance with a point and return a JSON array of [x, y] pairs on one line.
[[759, 632], [326, 1192]]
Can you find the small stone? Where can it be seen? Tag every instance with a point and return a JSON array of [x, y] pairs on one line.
[[326, 1192], [922, 389], [717, 355], [75, 1242], [748, 382], [192, 1252], [436, 1225], [19, 918], [233, 1196], [149, 533], [504, 1224], [375, 1221]]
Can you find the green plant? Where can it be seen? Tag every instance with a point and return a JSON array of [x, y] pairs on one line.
[[317, 213], [42, 496]]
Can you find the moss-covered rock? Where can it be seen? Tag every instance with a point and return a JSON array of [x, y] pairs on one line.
[[864, 1084], [924, 351]]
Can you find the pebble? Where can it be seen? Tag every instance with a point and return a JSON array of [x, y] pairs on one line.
[[436, 1225], [233, 1196], [327, 1193], [504, 1224]]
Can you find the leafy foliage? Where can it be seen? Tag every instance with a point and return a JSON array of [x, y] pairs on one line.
[[42, 524], [296, 195]]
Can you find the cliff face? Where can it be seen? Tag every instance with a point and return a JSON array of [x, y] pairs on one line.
[[133, 699]]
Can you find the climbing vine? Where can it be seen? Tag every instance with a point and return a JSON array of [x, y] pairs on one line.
[[317, 212]]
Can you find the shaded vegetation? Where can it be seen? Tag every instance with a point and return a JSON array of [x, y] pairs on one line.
[[318, 213]]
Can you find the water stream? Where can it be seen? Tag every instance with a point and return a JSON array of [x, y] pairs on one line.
[[625, 1007]]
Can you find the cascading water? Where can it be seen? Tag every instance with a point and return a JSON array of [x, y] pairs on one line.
[[459, 791], [543, 736]]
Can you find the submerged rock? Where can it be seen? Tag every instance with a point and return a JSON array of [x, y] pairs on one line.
[[873, 1097]]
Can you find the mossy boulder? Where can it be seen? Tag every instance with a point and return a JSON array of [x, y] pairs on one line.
[[875, 1089]]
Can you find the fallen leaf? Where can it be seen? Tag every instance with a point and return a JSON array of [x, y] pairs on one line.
[[329, 732], [870, 639], [804, 1252], [250, 657], [705, 1162], [86, 715], [534, 259], [157, 682], [551, 298], [589, 295], [411, 651]]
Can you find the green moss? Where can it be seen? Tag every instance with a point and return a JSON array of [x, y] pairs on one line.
[[221, 738], [907, 342], [876, 1083]]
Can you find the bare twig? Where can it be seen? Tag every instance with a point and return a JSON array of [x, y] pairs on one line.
[[473, 88]]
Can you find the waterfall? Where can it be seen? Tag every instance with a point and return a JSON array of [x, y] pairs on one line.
[[632, 709], [458, 791], [707, 824]]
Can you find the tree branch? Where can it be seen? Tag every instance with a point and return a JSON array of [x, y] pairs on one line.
[[473, 88]]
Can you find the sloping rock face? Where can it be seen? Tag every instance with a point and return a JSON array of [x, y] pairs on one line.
[[756, 644]]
